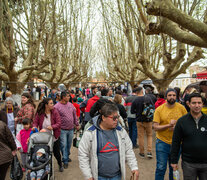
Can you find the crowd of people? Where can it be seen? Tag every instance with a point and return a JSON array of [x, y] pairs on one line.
[[113, 123]]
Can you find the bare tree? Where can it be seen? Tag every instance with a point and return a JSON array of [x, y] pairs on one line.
[[121, 62], [20, 42], [73, 42], [160, 58], [177, 20]]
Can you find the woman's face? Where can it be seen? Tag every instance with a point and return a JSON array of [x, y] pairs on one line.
[[9, 104], [50, 105], [24, 100]]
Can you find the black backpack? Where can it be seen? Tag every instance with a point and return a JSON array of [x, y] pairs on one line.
[[148, 111]]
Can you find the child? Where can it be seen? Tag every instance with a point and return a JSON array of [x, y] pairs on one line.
[[77, 107], [37, 160], [23, 137]]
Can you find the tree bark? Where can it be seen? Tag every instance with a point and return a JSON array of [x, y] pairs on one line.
[[176, 24]]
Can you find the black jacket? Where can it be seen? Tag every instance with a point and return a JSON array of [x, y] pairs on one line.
[[122, 111], [138, 107], [40, 161], [98, 105], [192, 138], [153, 97]]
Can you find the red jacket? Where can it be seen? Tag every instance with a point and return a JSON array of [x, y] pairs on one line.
[[55, 122], [77, 107], [159, 102], [91, 102]]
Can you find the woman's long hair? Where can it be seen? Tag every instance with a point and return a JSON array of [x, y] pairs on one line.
[[41, 106], [30, 100]]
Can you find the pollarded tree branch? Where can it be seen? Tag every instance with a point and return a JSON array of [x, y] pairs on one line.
[[142, 15], [195, 55], [172, 29], [168, 10], [69, 75], [30, 68], [4, 76]]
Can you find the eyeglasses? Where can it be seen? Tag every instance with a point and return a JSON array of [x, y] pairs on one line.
[[113, 117]]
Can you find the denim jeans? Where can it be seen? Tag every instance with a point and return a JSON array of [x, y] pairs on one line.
[[132, 122], [66, 138], [118, 177], [162, 157]]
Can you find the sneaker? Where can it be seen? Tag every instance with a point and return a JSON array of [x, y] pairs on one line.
[[65, 166], [136, 146], [69, 160], [149, 155], [61, 169], [142, 155]]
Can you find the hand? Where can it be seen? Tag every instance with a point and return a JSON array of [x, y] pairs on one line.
[[43, 130], [136, 172], [173, 122], [33, 129], [15, 119], [174, 166], [50, 128], [77, 128], [14, 153]]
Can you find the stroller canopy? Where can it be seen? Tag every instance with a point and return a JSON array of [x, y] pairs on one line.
[[45, 138]]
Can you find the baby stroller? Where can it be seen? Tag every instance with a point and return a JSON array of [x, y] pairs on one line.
[[39, 140]]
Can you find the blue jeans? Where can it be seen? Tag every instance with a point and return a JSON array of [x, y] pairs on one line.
[[132, 122], [118, 177], [66, 138], [162, 157]]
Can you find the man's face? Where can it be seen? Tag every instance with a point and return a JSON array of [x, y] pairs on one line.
[[66, 98], [171, 97], [196, 105], [95, 90], [111, 121], [110, 92]]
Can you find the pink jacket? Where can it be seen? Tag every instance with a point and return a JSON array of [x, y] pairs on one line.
[[22, 137], [55, 122]]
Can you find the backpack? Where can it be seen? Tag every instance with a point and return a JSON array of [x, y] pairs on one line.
[[148, 111]]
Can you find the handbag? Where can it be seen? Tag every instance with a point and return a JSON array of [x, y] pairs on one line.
[[16, 172]]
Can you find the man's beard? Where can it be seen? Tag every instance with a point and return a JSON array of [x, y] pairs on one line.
[[171, 101]]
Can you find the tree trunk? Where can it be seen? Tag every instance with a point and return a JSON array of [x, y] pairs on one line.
[[161, 85], [54, 85]]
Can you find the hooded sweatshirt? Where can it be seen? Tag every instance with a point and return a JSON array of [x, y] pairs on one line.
[[159, 102]]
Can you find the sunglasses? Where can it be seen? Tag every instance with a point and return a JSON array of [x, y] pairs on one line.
[[113, 117]]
